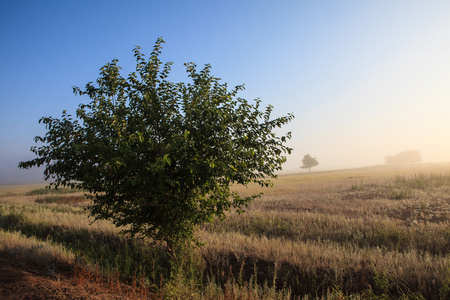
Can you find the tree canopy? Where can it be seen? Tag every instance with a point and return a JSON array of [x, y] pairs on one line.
[[405, 157], [309, 162], [156, 157]]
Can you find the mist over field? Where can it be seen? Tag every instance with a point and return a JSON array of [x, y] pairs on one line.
[[167, 186], [364, 80]]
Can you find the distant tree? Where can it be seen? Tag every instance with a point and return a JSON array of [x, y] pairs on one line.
[[156, 157], [405, 157], [309, 162]]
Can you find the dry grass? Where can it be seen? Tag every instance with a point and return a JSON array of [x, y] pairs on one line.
[[383, 230], [365, 233], [33, 250]]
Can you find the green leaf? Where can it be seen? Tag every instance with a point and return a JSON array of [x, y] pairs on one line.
[[158, 157]]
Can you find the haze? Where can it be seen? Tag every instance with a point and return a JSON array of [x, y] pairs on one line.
[[365, 79]]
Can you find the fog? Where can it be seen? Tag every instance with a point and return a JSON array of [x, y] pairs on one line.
[[364, 79]]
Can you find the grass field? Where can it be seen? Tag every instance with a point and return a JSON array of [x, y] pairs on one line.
[[373, 233]]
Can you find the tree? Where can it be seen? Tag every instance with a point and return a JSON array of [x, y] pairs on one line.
[[405, 157], [156, 157], [309, 162]]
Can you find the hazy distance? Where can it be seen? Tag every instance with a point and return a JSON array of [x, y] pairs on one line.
[[363, 79]]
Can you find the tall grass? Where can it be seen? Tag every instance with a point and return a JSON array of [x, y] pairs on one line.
[[306, 239], [364, 232], [33, 250]]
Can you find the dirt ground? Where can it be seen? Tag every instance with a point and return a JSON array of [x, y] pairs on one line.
[[24, 281]]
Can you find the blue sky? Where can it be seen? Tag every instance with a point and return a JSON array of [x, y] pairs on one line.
[[365, 79]]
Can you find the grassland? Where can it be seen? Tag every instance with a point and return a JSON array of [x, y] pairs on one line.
[[374, 233]]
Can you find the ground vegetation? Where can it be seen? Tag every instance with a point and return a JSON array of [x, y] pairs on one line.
[[375, 233]]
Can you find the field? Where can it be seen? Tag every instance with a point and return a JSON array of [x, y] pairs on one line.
[[373, 233]]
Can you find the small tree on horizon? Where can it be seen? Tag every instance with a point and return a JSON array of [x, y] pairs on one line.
[[158, 158], [309, 162]]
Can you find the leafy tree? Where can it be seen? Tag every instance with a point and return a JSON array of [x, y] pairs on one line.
[[156, 157], [309, 162], [405, 157]]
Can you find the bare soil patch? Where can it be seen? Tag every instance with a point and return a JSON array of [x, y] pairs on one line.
[[19, 280]]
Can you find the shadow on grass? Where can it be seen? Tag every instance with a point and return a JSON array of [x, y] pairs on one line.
[[129, 259], [111, 253]]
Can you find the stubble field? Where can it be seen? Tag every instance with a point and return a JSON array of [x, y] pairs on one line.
[[375, 233]]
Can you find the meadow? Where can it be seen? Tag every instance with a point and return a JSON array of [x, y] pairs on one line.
[[372, 233]]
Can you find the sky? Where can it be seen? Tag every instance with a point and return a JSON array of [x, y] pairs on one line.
[[364, 79]]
